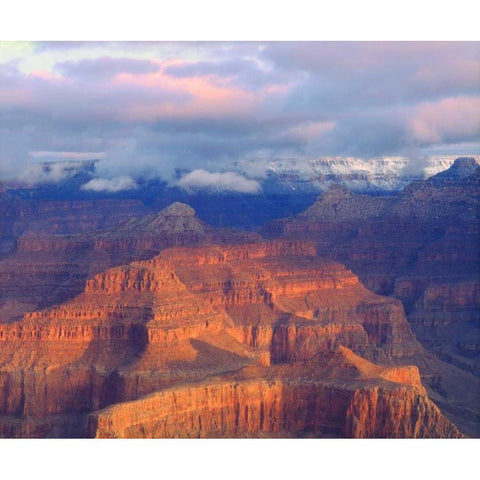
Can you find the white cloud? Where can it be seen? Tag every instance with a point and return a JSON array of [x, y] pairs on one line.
[[115, 184], [48, 173], [218, 181]]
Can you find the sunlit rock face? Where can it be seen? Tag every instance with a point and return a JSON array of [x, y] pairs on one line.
[[252, 339], [280, 405]]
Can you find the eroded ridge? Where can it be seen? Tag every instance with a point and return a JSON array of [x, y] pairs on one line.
[[209, 332]]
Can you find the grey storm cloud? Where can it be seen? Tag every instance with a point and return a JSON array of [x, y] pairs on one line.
[[216, 107]]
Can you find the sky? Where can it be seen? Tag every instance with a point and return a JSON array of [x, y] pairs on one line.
[[197, 114]]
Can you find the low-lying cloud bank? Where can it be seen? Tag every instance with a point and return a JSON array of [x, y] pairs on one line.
[[218, 181], [49, 173], [112, 185]]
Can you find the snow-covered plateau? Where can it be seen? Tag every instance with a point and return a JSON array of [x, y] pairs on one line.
[[374, 175]]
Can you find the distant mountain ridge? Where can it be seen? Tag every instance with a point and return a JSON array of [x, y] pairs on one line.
[[282, 176], [375, 176]]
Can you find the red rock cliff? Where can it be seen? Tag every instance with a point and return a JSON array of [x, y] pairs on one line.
[[191, 314]]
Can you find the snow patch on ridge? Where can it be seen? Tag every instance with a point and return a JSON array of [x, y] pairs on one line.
[[357, 174]]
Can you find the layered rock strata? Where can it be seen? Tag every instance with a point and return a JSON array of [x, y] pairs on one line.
[[49, 269], [283, 402], [195, 314]]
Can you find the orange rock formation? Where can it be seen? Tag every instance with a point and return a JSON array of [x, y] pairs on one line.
[[259, 338]]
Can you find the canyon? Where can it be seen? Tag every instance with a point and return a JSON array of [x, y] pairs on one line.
[[421, 247], [217, 340], [287, 186], [357, 317]]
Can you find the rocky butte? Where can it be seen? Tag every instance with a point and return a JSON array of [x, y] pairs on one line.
[[259, 338]]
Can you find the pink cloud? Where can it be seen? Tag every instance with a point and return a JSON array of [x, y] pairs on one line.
[[204, 96], [45, 75]]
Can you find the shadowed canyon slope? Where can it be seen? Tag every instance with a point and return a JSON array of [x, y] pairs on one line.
[[251, 339], [46, 269], [47, 217], [398, 244]]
